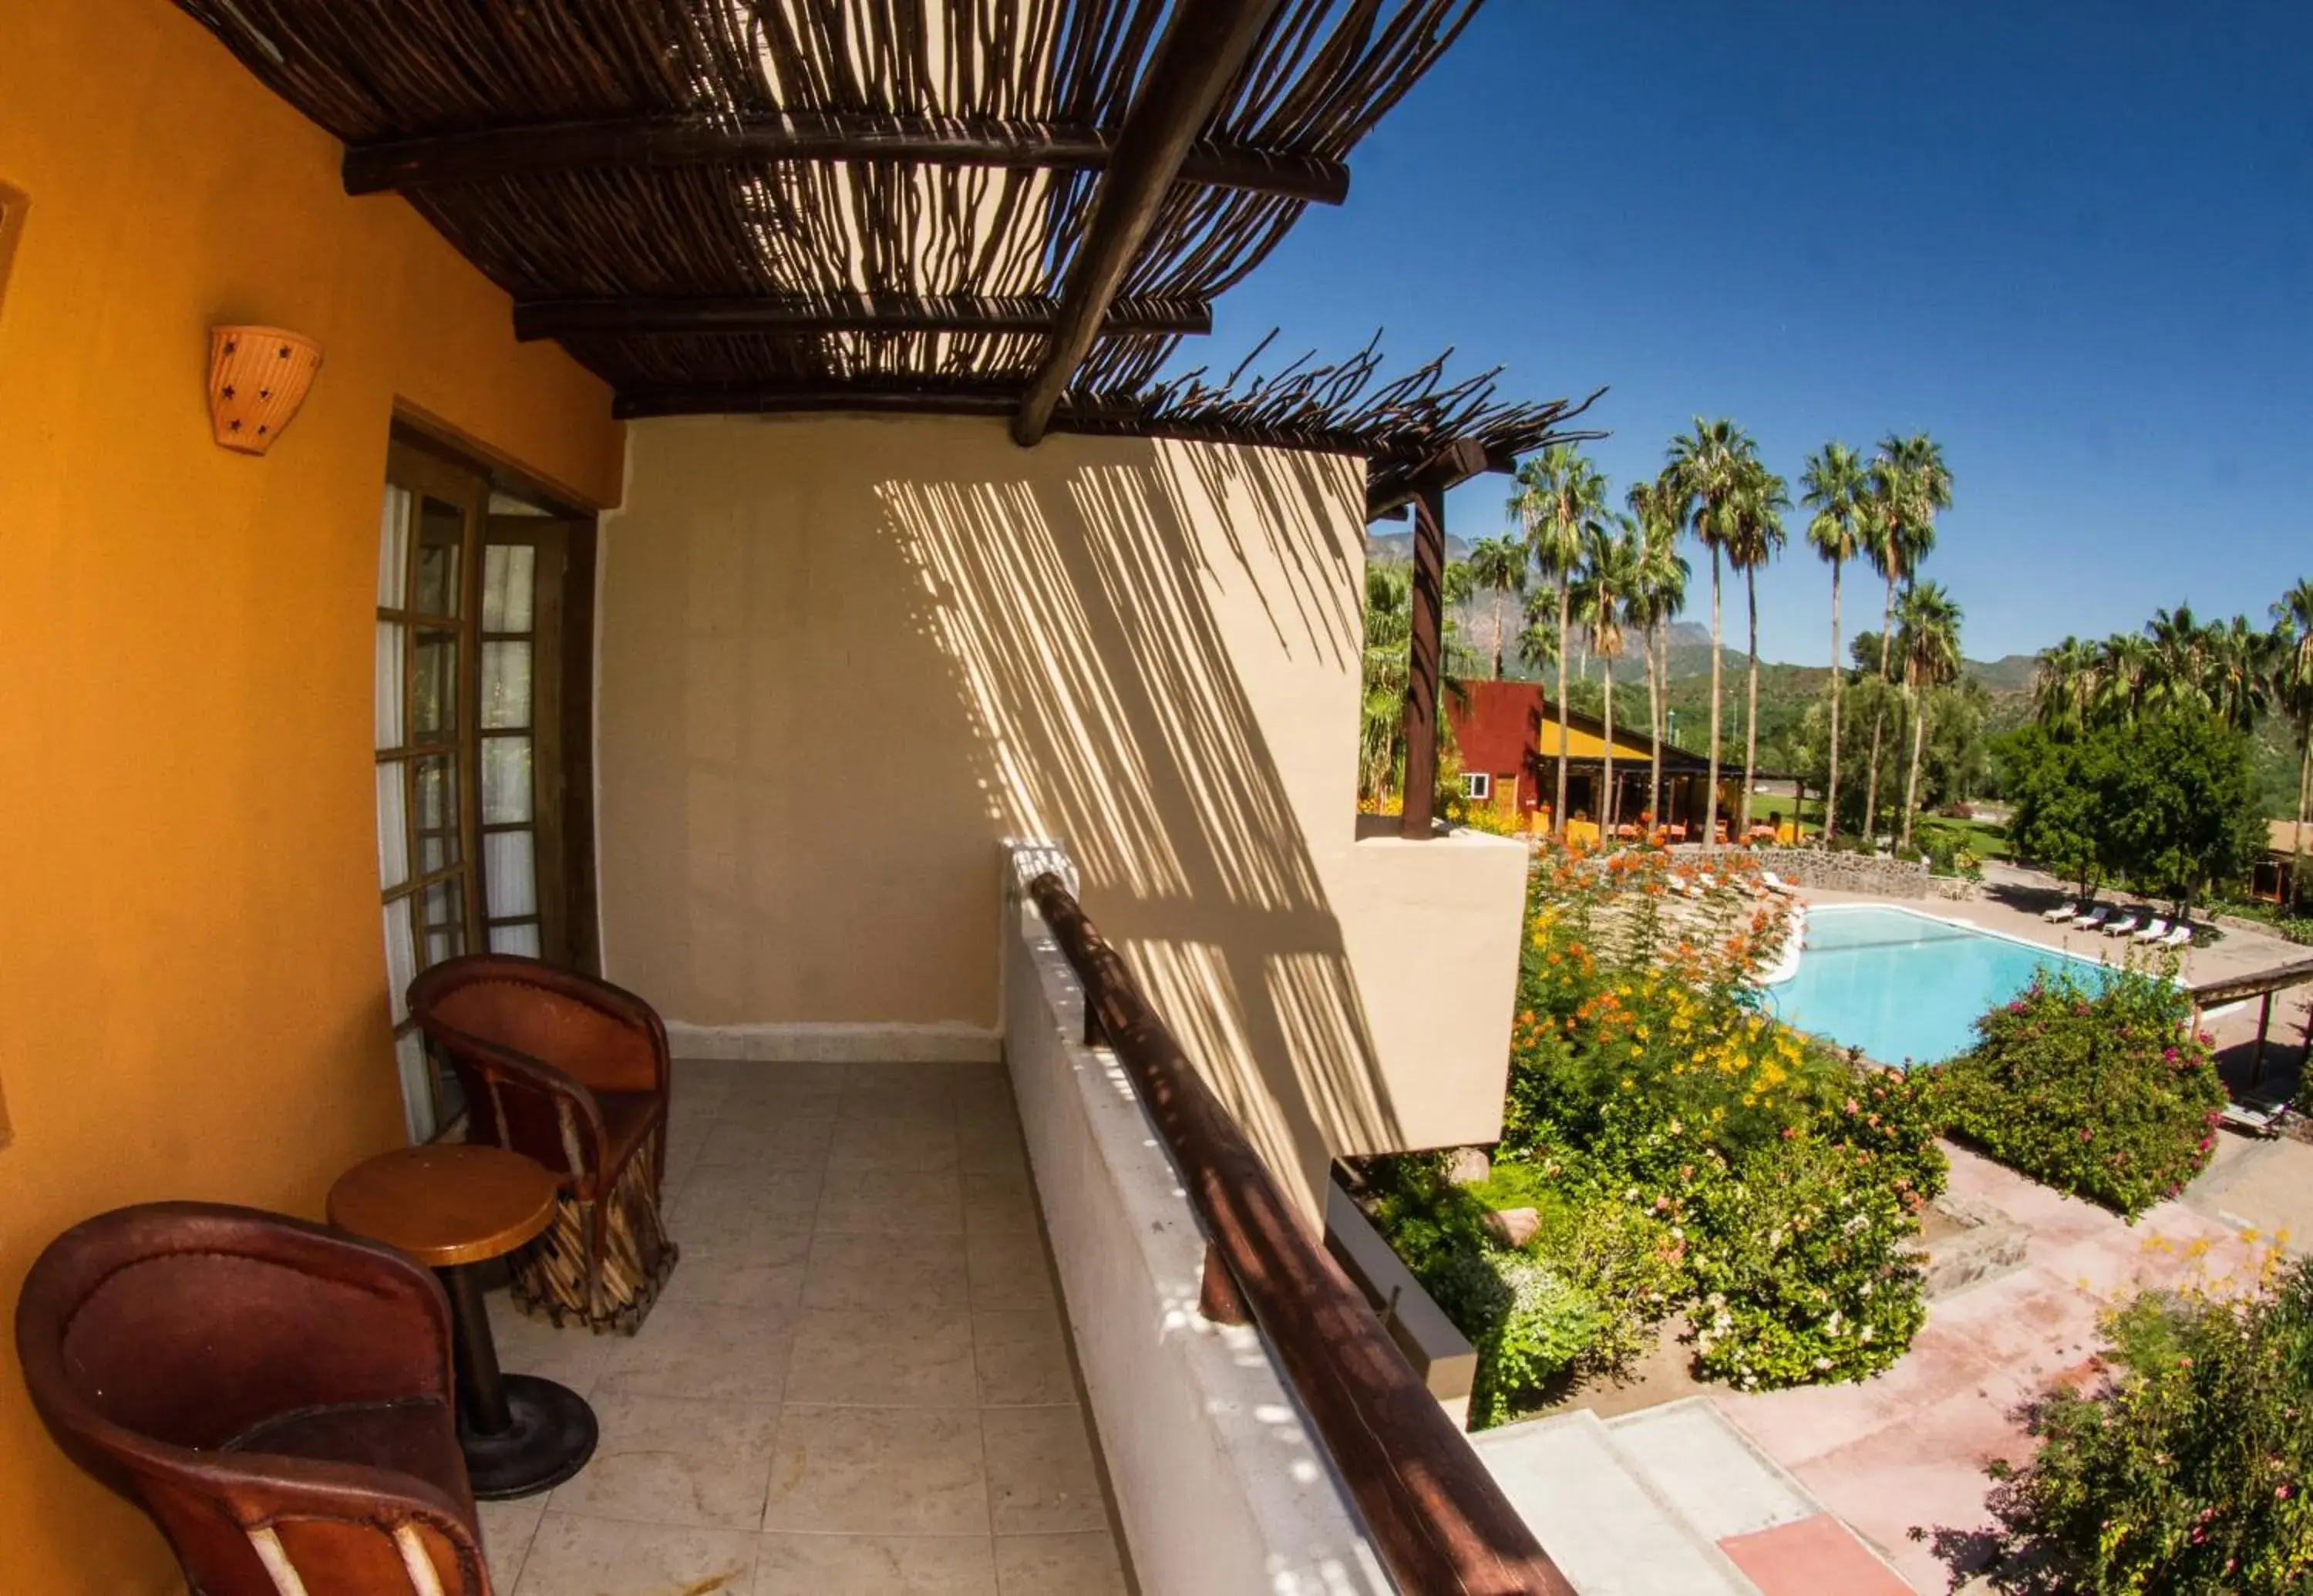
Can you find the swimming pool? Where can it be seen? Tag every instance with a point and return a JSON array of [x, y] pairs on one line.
[[1904, 987]]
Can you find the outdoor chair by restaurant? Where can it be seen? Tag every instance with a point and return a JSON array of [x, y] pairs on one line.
[[274, 1395], [574, 1074]]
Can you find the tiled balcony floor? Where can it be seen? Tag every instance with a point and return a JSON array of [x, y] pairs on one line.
[[858, 1378]]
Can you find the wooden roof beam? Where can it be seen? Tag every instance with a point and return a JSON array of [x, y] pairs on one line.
[[1205, 46], [809, 315], [1452, 466], [758, 399], [643, 141]]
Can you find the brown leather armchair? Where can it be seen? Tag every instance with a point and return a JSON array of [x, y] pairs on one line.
[[274, 1395], [573, 1072]]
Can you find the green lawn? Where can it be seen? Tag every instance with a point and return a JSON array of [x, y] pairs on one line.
[[1979, 837]]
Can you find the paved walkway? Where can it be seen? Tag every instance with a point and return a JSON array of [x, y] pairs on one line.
[[1908, 1448], [858, 1379]]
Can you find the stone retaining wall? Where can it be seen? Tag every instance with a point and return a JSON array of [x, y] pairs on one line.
[[1846, 872]]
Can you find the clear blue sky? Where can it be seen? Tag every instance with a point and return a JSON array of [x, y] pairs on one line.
[[2074, 242]]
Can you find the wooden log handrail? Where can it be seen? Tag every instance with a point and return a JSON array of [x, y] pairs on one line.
[[1436, 1517]]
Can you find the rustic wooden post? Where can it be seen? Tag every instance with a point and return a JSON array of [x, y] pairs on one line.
[[2264, 1024], [1425, 663]]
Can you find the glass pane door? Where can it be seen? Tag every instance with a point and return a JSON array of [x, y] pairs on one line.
[[519, 722], [429, 544]]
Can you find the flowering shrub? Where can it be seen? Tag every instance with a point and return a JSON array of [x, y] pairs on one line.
[[2187, 1470], [1682, 1149], [2096, 1087], [1803, 1268]]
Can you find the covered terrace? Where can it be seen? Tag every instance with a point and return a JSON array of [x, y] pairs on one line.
[[739, 551]]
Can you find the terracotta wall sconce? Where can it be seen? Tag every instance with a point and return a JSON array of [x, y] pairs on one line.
[[257, 378]]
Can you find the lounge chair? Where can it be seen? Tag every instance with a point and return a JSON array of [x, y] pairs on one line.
[[2091, 920], [2154, 929], [2121, 927], [2181, 937], [2071, 911], [1777, 884]]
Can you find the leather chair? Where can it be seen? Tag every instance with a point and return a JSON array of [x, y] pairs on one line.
[[574, 1074], [276, 1395]]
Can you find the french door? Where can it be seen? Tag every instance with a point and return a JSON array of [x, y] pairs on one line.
[[473, 653]]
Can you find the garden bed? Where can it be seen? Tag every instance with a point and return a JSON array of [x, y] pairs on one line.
[[1679, 1151]]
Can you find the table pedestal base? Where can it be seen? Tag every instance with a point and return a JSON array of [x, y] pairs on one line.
[[521, 1434], [550, 1435]]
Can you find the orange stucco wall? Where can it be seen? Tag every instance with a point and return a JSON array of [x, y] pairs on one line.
[[192, 986]]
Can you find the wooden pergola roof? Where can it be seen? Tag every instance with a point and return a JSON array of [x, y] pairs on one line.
[[1014, 207]]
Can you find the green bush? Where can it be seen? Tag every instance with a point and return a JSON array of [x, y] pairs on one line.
[[2094, 1085], [2187, 1472], [1623, 1255], [1547, 1326], [1529, 1318]]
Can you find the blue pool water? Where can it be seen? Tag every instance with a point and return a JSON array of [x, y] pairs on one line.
[[1901, 986]]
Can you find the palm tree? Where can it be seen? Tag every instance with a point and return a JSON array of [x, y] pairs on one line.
[[2237, 672], [1907, 484], [1538, 642], [1754, 537], [2065, 684], [2125, 670], [1603, 590], [1381, 720], [2178, 660], [1833, 486], [1931, 657], [1498, 565], [1560, 494], [1660, 595], [2292, 691], [1707, 465]]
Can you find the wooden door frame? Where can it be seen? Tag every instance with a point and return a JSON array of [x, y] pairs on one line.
[[576, 856]]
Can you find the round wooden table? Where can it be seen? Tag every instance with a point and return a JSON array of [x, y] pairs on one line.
[[454, 1208]]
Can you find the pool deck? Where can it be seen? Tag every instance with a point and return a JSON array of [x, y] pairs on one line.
[[2012, 906]]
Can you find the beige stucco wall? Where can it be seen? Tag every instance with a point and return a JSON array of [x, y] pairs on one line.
[[842, 658]]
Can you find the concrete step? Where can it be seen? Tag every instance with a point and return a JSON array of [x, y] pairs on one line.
[[1694, 1458], [1606, 1529]]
